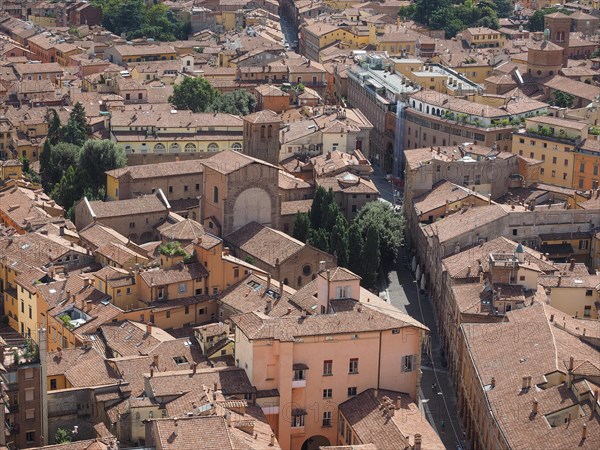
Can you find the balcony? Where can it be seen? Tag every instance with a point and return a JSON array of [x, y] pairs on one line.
[[299, 379], [298, 383]]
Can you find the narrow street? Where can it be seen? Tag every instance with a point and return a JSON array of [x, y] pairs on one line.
[[288, 28], [437, 396]]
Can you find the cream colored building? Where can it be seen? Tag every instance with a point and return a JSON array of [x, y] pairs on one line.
[[172, 131], [354, 342], [573, 290]]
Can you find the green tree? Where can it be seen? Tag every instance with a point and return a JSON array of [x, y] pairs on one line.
[[54, 162], [98, 156], [172, 248], [328, 212], [389, 226], [425, 8], [407, 12], [62, 436], [139, 18], [76, 130], [315, 209], [562, 100], [371, 257], [26, 164], [504, 8], [195, 94], [45, 165], [330, 216], [238, 102], [54, 127], [319, 238], [123, 16], [68, 189], [302, 226], [339, 242], [355, 248]]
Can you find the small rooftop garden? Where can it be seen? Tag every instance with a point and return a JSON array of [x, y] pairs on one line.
[[172, 249]]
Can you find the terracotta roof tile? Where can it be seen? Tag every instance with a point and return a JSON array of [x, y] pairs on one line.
[[527, 345], [350, 317], [271, 246], [371, 426], [81, 367]]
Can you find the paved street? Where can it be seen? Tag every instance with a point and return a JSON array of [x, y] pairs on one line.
[[439, 404]]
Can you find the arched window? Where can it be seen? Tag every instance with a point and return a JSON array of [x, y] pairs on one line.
[[262, 131], [174, 148], [128, 149], [270, 134], [236, 146], [159, 148], [213, 147], [190, 148], [215, 194]]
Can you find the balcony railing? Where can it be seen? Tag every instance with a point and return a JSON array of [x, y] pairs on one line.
[[298, 383]]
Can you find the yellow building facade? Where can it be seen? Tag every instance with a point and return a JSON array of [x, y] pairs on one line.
[[552, 141]]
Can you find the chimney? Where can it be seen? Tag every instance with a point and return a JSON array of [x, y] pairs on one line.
[[268, 306], [194, 368], [391, 410], [559, 280], [149, 330], [155, 362], [175, 424], [584, 432], [572, 265], [226, 251], [493, 382], [229, 419], [61, 230], [417, 442], [551, 317], [281, 289], [375, 393], [525, 383], [534, 408], [398, 402], [151, 372], [596, 399], [322, 265], [268, 281], [215, 386], [571, 363], [272, 443]]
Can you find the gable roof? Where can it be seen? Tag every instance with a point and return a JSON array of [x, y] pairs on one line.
[[271, 246]]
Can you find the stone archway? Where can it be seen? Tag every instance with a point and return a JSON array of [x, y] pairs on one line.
[[314, 442], [252, 205]]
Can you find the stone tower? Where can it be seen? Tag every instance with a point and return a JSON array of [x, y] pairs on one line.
[[261, 136], [559, 25]]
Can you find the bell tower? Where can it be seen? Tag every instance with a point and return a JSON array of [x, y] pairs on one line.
[[559, 27], [261, 136]]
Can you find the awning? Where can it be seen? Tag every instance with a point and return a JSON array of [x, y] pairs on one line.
[[300, 366]]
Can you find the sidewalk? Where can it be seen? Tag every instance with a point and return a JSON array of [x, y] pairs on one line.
[[440, 404]]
